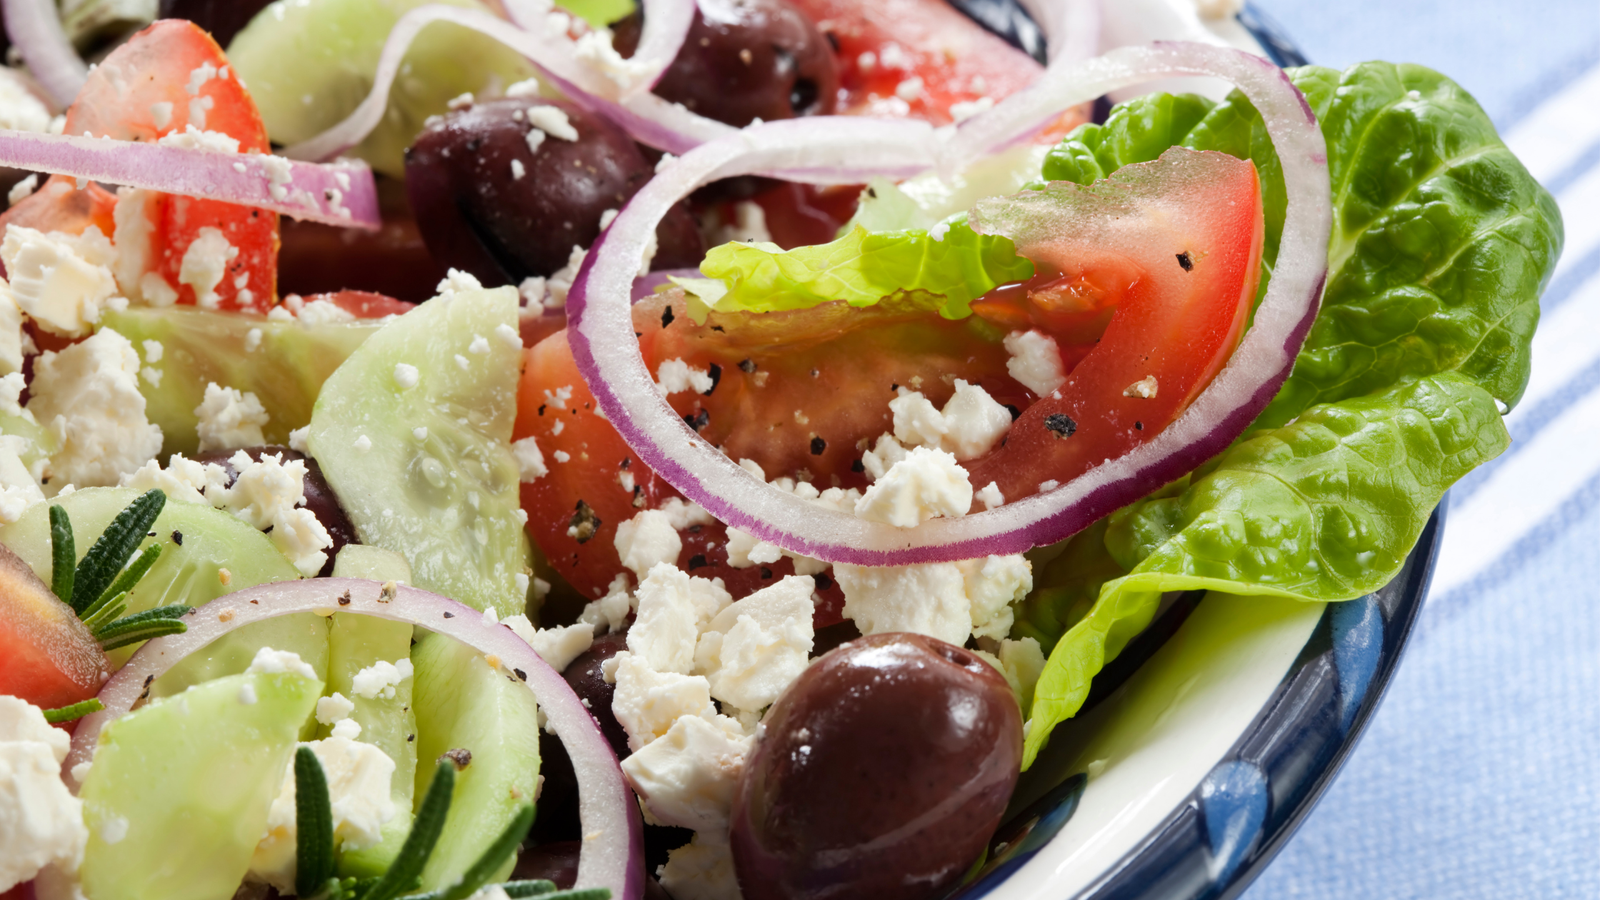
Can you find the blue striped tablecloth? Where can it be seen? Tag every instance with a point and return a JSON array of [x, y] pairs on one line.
[[1479, 776]]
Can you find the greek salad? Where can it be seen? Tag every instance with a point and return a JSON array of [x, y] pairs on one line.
[[700, 449]]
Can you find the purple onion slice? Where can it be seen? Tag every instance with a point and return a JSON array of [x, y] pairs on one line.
[[830, 150], [34, 28], [613, 848], [338, 193]]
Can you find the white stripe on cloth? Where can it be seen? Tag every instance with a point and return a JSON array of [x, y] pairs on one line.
[[1553, 455]]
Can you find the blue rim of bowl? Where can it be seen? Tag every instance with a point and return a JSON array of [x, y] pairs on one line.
[[1230, 827]]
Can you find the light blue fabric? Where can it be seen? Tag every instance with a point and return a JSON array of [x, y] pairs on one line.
[[1479, 775]]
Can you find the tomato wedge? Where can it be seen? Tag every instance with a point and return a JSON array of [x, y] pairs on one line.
[[165, 79], [47, 656]]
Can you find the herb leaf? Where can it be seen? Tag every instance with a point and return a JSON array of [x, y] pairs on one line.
[[63, 553], [425, 831], [141, 626], [114, 548], [313, 813], [75, 711], [479, 873]]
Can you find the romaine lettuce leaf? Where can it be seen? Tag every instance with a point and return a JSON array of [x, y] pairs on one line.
[[863, 267], [1325, 508], [1441, 244]]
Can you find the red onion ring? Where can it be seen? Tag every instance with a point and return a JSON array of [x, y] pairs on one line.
[[610, 855], [314, 191], [666, 24], [601, 329], [34, 27], [646, 117]]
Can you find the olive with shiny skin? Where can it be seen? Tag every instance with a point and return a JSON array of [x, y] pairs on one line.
[[881, 774], [320, 499], [490, 204], [746, 59]]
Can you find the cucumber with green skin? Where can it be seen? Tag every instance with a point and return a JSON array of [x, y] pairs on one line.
[[413, 433], [462, 703], [309, 65], [198, 545], [284, 365], [178, 795]]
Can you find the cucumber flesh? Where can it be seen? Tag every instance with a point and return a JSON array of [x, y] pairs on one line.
[[426, 471], [178, 795], [355, 642], [189, 572], [461, 703], [309, 65], [284, 366]]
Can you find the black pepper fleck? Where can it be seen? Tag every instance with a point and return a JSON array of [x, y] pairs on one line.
[[716, 379], [521, 675], [460, 756], [1060, 425], [766, 573], [1138, 426], [1015, 412], [747, 366], [698, 419], [818, 445], [584, 522], [858, 466], [698, 560], [823, 581], [666, 317], [344, 599], [177, 538], [449, 615], [1185, 261]]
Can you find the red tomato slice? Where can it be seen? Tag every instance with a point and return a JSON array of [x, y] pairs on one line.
[[47, 656], [806, 391], [365, 304], [164, 79], [1181, 282]]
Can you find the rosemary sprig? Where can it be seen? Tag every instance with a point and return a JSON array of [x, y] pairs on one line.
[[113, 549], [63, 553], [313, 813], [479, 873], [407, 869], [130, 576], [142, 626], [75, 711]]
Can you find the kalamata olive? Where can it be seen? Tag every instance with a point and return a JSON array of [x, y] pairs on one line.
[[319, 496], [557, 862], [746, 59], [316, 258], [880, 774], [223, 18], [588, 682], [490, 202]]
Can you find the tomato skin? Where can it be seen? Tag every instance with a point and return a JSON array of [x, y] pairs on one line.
[[120, 99], [1182, 287], [365, 304], [47, 656]]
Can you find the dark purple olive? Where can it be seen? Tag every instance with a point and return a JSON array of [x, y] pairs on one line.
[[746, 59], [315, 258], [319, 496], [557, 862], [588, 682], [881, 774], [488, 203], [223, 18]]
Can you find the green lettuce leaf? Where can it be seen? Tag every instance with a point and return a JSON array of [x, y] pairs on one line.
[[1442, 241], [863, 267], [1325, 508]]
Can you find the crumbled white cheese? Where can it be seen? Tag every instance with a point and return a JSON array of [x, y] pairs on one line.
[[1035, 361], [380, 679], [701, 869], [22, 190], [672, 607], [595, 48], [298, 438], [611, 611], [559, 283], [20, 109], [61, 281], [88, 396], [268, 661], [992, 584], [134, 226], [882, 457], [193, 138], [749, 225], [963, 110], [910, 90], [455, 281], [41, 822], [926, 598], [205, 263], [1144, 388], [530, 462], [19, 491], [990, 496], [323, 312], [973, 422], [552, 120], [753, 649], [686, 777], [917, 422], [646, 540], [359, 776], [156, 291], [558, 645], [334, 707], [926, 484], [405, 375], [230, 419], [528, 87], [647, 702], [14, 342], [676, 376]]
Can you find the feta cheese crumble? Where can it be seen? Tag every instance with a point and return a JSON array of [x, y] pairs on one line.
[[230, 419], [1035, 361], [88, 396], [926, 484], [41, 822]]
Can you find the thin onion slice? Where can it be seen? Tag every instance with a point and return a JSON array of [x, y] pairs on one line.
[[34, 28], [666, 24], [338, 193], [613, 844], [646, 117], [1071, 27], [607, 354]]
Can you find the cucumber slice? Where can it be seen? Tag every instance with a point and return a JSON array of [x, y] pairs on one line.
[[355, 642], [463, 704], [285, 366], [189, 572], [309, 65], [445, 498], [179, 791], [38, 443]]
